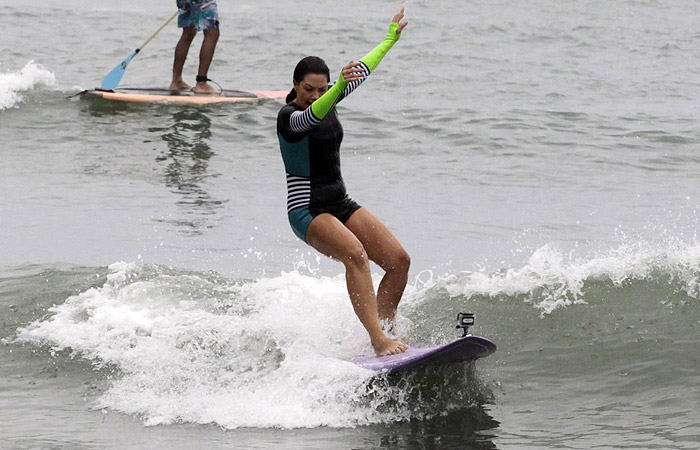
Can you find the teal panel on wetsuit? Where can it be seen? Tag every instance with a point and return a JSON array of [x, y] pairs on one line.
[[296, 156], [300, 219]]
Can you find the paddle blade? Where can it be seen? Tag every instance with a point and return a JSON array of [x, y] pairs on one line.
[[112, 79]]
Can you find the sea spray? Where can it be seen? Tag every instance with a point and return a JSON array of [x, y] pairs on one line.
[[191, 347], [195, 347], [32, 75], [550, 279]]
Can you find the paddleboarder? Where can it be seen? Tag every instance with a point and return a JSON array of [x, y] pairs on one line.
[[194, 16], [318, 207]]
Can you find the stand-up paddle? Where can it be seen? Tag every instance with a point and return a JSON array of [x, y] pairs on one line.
[[112, 79]]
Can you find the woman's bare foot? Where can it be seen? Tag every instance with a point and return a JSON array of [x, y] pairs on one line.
[[385, 346], [179, 86]]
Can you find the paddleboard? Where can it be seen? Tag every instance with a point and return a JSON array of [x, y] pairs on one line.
[[145, 95], [466, 348]]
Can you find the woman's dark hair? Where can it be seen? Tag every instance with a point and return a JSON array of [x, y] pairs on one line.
[[310, 64]]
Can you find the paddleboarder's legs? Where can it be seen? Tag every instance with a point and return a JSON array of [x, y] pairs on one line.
[[206, 54], [181, 50], [196, 15]]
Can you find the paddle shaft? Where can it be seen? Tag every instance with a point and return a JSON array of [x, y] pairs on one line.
[[158, 31]]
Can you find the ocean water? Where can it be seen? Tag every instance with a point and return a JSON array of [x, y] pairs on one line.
[[538, 160]]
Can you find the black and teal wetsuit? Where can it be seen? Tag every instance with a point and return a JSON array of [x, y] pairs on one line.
[[310, 144]]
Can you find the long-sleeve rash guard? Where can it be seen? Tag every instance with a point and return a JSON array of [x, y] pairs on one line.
[[310, 144]]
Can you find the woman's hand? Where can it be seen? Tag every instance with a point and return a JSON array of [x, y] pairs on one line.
[[353, 71], [397, 19]]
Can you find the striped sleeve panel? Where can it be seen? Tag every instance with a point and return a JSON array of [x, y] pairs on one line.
[[355, 84], [302, 121], [298, 191]]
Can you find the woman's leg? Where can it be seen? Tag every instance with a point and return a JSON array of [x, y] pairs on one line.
[[386, 251], [330, 237]]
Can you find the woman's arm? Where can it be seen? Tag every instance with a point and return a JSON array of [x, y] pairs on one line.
[[352, 76], [371, 60]]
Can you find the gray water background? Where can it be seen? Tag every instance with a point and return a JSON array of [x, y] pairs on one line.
[[492, 130]]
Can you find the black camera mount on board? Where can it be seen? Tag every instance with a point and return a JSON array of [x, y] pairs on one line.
[[464, 321]]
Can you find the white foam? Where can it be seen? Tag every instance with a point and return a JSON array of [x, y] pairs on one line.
[[551, 279], [267, 353], [273, 352], [31, 76]]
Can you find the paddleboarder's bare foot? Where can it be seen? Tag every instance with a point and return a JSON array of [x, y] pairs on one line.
[[204, 88], [386, 346], [179, 85]]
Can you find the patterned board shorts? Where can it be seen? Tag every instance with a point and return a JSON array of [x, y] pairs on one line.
[[201, 14]]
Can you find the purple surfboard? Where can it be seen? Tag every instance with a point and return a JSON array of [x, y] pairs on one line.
[[467, 348]]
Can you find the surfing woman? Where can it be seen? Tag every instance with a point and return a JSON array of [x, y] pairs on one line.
[[319, 209]]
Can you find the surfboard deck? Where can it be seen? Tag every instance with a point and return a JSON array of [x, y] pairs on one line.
[[467, 348], [157, 95]]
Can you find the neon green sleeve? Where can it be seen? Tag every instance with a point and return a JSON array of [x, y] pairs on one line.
[[321, 107], [373, 58]]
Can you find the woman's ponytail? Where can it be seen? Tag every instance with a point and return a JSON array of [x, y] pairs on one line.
[[291, 96]]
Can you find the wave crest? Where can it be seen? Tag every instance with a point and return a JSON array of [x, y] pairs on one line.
[[13, 83], [551, 279]]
